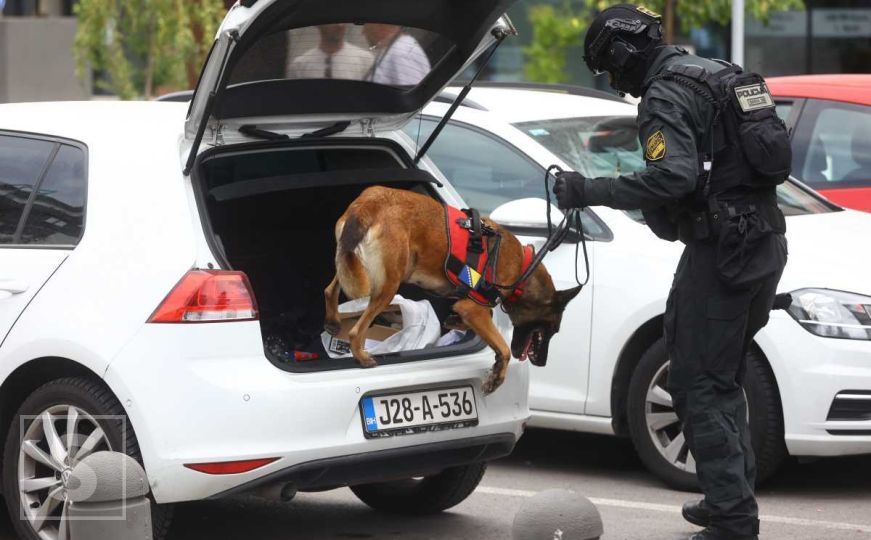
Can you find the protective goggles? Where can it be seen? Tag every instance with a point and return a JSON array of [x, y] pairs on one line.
[[610, 31]]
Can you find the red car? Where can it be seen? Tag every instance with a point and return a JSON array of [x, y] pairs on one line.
[[829, 117]]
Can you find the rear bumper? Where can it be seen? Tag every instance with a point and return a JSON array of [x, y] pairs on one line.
[[196, 394], [395, 464]]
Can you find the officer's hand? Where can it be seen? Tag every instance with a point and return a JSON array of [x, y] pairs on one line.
[[569, 190]]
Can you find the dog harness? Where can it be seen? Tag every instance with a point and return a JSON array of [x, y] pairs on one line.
[[473, 254]]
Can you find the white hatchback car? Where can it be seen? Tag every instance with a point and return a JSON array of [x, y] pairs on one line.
[[809, 380], [135, 298]]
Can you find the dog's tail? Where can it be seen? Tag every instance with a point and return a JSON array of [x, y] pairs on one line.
[[349, 268]]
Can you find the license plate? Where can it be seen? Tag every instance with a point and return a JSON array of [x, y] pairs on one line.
[[415, 412]]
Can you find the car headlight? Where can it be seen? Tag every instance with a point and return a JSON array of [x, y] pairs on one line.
[[834, 314]]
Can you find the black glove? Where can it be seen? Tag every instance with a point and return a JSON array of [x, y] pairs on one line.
[[569, 189]]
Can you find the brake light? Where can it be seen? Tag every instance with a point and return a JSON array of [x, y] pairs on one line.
[[208, 296], [230, 467]]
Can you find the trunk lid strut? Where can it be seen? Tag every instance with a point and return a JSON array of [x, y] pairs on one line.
[[500, 34]]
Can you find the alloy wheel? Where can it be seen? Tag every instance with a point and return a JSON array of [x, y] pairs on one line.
[[663, 425], [54, 442]]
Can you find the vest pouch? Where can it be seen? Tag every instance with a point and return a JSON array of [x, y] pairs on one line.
[[746, 249], [762, 135], [765, 143]]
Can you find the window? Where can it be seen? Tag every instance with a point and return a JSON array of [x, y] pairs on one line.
[[487, 171], [22, 164], [783, 110], [384, 54], [593, 146], [42, 192], [832, 145]]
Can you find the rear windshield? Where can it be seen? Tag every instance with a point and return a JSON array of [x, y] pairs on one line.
[[384, 54], [608, 146]]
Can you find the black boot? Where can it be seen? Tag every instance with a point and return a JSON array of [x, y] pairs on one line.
[[696, 513], [717, 534]]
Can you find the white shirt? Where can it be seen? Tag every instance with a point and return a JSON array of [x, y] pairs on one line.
[[403, 64], [349, 62]]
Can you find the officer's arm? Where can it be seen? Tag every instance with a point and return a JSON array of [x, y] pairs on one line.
[[668, 138]]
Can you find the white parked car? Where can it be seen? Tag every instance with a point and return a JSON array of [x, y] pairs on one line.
[[135, 298], [809, 378]]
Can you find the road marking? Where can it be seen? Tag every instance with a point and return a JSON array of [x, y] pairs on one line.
[[639, 505]]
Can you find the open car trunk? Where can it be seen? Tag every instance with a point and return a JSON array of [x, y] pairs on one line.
[[269, 210]]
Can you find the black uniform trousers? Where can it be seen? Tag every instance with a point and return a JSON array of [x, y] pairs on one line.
[[709, 327]]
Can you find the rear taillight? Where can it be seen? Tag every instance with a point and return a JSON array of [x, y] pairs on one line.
[[208, 296]]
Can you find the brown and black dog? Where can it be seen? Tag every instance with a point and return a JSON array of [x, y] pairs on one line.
[[387, 237]]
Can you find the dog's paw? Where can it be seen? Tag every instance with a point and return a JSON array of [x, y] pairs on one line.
[[332, 327], [492, 383], [367, 362]]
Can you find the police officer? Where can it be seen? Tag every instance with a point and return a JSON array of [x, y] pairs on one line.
[[699, 187]]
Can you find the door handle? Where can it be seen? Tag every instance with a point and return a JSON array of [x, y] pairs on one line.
[[13, 286]]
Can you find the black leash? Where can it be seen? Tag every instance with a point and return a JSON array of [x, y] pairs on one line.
[[556, 237]]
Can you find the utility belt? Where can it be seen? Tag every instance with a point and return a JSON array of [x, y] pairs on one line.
[[718, 218]]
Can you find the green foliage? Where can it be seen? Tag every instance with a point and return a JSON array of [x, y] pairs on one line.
[[553, 32], [696, 13], [145, 44]]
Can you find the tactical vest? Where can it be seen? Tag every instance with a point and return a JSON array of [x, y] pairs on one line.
[[748, 144]]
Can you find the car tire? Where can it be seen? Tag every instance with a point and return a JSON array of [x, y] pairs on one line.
[[421, 496], [93, 403], [647, 397]]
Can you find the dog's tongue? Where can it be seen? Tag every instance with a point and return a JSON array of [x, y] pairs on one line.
[[525, 354]]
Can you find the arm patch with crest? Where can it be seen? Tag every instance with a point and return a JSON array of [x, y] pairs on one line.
[[655, 149]]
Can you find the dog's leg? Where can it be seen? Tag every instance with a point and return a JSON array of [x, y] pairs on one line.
[[331, 295], [480, 320], [377, 304]]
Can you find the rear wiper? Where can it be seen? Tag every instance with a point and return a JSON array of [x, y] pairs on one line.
[[251, 130]]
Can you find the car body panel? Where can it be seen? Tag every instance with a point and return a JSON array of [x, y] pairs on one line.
[[184, 386], [841, 87]]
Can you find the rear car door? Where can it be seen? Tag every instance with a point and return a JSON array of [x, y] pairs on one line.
[[42, 203], [488, 172]]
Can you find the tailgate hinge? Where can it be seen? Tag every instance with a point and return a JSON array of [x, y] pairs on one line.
[[217, 134]]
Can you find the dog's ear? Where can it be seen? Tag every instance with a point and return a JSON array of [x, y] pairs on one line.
[[562, 298]]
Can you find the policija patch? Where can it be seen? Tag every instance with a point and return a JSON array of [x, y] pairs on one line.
[[655, 147]]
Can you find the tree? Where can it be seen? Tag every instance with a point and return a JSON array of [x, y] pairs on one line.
[[695, 13], [554, 31], [145, 44]]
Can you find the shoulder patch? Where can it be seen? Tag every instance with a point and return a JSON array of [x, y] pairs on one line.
[[655, 147], [648, 12]]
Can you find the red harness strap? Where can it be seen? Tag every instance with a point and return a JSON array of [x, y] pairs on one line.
[[528, 255], [468, 264]]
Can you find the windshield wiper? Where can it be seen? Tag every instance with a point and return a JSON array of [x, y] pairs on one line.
[[251, 130]]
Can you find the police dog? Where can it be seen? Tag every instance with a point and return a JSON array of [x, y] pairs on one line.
[[387, 237]]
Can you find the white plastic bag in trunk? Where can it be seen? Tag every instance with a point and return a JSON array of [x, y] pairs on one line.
[[420, 328]]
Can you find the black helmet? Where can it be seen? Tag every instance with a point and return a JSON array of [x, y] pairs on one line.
[[620, 41]]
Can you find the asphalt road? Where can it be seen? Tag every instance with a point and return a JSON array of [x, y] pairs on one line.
[[825, 499]]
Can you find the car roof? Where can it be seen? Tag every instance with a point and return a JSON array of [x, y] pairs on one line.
[[89, 121], [846, 88], [520, 104]]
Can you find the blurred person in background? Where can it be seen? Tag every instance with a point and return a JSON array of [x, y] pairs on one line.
[[332, 58], [399, 60]]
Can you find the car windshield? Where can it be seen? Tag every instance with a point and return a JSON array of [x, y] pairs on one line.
[[608, 146]]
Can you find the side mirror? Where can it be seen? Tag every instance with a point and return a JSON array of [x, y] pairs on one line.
[[527, 217]]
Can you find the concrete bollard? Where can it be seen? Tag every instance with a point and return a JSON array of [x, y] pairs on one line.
[[557, 514], [107, 493]]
